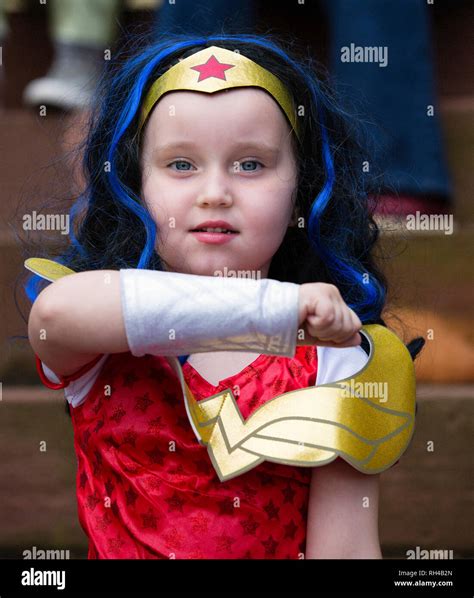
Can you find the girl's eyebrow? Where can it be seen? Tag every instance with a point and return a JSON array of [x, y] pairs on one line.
[[258, 146]]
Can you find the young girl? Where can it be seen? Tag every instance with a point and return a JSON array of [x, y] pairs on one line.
[[258, 278]]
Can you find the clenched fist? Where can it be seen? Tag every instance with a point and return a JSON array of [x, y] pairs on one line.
[[325, 318]]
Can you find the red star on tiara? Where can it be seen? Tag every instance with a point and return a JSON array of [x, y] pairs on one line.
[[212, 68]]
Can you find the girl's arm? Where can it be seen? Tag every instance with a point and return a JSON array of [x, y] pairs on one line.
[[76, 318], [86, 314], [343, 513]]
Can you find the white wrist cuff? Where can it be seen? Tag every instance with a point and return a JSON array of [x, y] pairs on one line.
[[170, 313]]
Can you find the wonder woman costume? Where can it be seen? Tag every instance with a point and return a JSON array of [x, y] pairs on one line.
[[217, 475]]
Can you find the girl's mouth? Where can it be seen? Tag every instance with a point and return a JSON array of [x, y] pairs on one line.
[[214, 237]]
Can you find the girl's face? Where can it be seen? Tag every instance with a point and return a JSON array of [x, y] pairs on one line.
[[224, 156]]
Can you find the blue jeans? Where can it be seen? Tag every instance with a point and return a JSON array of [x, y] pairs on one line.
[[410, 147]]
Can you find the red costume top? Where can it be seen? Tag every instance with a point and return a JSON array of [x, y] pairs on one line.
[[147, 489]]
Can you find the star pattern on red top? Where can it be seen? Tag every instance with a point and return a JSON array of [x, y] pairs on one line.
[[137, 448], [212, 68]]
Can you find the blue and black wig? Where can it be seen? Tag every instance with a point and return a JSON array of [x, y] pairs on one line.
[[112, 229]]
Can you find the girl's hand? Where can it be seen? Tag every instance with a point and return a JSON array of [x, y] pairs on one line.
[[325, 319]]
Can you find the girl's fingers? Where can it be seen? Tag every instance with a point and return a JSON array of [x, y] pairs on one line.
[[342, 328], [349, 327], [341, 334], [356, 319], [332, 323], [311, 337], [322, 323]]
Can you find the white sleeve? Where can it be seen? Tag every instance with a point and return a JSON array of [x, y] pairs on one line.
[[207, 313], [336, 364], [76, 391]]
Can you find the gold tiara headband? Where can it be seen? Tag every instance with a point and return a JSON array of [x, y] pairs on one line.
[[214, 69]]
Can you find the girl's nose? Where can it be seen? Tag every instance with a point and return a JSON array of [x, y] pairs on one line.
[[215, 190]]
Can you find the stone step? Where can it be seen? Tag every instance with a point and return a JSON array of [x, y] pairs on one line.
[[425, 500]]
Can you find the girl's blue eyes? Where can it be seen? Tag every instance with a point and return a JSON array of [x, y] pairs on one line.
[[178, 162], [186, 163], [251, 162]]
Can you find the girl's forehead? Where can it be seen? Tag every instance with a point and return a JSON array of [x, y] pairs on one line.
[[242, 110]]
